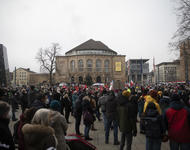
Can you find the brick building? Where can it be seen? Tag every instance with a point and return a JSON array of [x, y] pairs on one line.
[[185, 60]]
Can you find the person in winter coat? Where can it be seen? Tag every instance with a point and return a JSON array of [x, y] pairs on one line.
[[54, 119], [40, 102], [126, 119], [78, 113], [153, 95], [101, 103], [55, 105], [6, 140], [141, 103], [25, 118], [87, 116], [74, 98], [164, 101], [32, 95], [68, 106], [177, 122], [14, 104], [39, 137], [24, 100], [111, 114], [93, 105], [153, 126]]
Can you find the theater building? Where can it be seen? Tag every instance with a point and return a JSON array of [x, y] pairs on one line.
[[91, 62]]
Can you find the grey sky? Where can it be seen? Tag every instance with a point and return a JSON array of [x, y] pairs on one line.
[[135, 28]]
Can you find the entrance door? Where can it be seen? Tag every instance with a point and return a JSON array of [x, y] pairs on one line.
[[98, 79]]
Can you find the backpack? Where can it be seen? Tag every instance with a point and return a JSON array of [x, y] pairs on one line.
[[87, 118], [152, 122]]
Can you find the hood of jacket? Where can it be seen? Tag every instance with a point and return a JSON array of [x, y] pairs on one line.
[[33, 133], [122, 100], [86, 98], [177, 105], [110, 98]]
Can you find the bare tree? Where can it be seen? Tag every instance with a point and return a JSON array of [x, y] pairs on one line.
[[47, 57], [183, 32]]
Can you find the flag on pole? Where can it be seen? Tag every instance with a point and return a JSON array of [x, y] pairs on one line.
[[131, 83], [111, 85], [154, 64], [126, 85]]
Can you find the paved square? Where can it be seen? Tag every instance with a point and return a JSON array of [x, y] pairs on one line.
[[99, 137]]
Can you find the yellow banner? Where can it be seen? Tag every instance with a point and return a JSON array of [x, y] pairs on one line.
[[117, 66]]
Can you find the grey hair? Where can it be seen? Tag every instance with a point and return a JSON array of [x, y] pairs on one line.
[[42, 117]]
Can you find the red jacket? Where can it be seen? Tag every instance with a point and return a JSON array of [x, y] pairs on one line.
[[177, 118]]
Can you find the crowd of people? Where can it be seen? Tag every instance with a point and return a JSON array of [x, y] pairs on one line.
[[163, 114]]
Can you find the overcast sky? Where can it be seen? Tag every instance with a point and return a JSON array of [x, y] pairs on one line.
[[135, 28]]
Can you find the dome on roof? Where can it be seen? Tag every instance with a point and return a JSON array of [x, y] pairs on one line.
[[91, 47]]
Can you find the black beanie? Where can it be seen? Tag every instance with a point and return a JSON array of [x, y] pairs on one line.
[[175, 97]]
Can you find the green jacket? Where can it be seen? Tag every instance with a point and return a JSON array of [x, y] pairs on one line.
[[126, 118]]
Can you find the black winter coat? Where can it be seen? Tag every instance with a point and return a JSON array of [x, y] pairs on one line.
[[111, 108], [78, 108], [6, 140], [38, 104]]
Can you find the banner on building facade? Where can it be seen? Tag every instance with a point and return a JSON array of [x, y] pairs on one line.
[[117, 66]]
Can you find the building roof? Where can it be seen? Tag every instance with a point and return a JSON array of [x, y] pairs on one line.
[[27, 69], [138, 60], [169, 63], [91, 45]]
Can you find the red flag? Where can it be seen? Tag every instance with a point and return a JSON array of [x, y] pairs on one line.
[[77, 88], [106, 86], [101, 88], [131, 83]]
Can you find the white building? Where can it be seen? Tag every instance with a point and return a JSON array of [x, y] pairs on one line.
[[168, 72]]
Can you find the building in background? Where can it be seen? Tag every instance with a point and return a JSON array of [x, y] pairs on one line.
[[185, 61], [4, 67], [39, 78], [151, 77], [22, 77], [91, 62], [168, 72], [137, 70]]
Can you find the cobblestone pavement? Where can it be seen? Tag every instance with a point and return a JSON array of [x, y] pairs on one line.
[[99, 137]]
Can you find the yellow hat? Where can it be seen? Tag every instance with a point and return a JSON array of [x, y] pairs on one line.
[[126, 93], [160, 93]]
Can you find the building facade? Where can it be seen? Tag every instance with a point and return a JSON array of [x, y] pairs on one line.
[[91, 62], [39, 78], [137, 70], [168, 72], [4, 67], [22, 76], [185, 61]]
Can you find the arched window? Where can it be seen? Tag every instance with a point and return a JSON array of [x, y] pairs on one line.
[[106, 65], [80, 65], [98, 65], [89, 65], [98, 79], [72, 66]]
